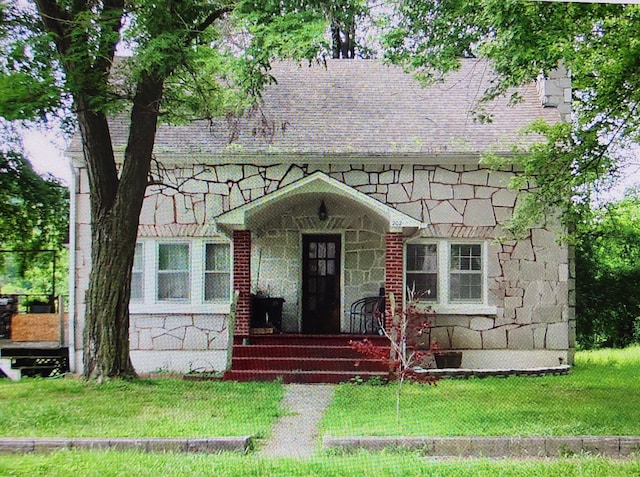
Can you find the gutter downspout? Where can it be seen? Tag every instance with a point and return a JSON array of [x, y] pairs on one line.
[[72, 270]]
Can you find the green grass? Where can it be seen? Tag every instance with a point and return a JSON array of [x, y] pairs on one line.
[[106, 464], [599, 397], [144, 408]]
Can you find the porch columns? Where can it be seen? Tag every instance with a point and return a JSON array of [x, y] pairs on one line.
[[242, 279], [393, 273]]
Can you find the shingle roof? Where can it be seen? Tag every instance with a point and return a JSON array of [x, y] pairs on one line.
[[358, 107]]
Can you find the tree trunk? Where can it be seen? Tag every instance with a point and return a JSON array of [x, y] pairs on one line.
[[115, 211]]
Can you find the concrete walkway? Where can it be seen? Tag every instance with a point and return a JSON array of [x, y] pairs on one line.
[[295, 435]]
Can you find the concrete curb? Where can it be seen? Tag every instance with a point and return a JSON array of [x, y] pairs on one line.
[[515, 447], [206, 445]]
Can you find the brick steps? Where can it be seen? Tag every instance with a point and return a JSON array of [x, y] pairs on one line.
[[308, 364], [303, 359], [308, 340], [300, 377], [295, 351]]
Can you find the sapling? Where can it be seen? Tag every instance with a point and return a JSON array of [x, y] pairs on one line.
[[404, 354]]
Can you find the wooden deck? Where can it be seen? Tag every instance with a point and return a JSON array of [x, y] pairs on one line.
[[8, 344]]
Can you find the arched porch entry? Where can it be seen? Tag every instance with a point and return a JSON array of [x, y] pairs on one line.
[[319, 245]]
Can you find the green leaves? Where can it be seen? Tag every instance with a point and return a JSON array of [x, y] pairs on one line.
[[24, 97], [608, 273], [598, 44], [34, 212]]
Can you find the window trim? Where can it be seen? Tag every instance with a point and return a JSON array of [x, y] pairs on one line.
[[214, 272], [444, 304], [189, 272], [142, 272], [151, 304]]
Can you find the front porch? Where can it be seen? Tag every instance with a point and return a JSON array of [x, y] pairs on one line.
[[318, 247]]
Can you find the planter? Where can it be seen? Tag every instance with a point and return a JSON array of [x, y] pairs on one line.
[[448, 359], [266, 312], [40, 309]]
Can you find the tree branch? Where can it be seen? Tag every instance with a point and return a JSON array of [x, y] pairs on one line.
[[107, 47], [207, 22], [56, 21]]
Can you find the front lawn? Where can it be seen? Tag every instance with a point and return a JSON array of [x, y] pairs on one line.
[[145, 408], [600, 396], [107, 464]]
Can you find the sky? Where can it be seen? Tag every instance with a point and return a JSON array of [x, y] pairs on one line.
[[45, 151]]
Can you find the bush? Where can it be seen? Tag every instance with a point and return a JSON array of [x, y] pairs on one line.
[[608, 275]]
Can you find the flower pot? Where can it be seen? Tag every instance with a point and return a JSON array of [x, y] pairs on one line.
[[448, 359]]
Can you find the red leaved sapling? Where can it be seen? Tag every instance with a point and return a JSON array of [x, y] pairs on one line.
[[408, 355]]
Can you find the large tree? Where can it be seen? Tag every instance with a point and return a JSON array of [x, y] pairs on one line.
[[186, 59], [597, 43]]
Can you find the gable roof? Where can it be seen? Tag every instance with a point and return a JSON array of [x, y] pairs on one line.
[[317, 184], [356, 108]]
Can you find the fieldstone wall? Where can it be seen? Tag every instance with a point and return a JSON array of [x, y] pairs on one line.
[[190, 334], [178, 332], [464, 195], [277, 253], [530, 282]]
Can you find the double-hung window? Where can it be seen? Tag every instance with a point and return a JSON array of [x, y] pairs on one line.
[[422, 271], [465, 272], [173, 272], [217, 272], [185, 275], [137, 274], [450, 275]]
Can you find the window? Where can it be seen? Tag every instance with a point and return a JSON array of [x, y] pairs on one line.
[[137, 274], [451, 275], [173, 271], [465, 272], [188, 275], [217, 272], [422, 270]]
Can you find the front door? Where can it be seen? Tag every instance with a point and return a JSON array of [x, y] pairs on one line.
[[321, 284]]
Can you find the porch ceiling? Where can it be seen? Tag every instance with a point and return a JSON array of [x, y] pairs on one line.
[[311, 190]]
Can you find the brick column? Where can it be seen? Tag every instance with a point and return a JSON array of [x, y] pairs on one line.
[[393, 272], [242, 279]]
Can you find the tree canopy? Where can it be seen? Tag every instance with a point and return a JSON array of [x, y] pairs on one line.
[[185, 60], [599, 45], [608, 273]]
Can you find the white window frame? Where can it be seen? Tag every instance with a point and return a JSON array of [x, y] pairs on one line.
[[206, 272], [188, 271], [140, 271], [444, 304], [196, 303]]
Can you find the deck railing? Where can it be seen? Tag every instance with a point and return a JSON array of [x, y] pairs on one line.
[[32, 317]]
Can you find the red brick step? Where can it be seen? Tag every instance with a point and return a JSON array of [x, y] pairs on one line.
[[303, 359]]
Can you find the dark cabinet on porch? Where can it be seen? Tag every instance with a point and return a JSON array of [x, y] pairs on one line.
[[266, 312]]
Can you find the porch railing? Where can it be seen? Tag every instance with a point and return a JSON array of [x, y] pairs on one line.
[[15, 311]]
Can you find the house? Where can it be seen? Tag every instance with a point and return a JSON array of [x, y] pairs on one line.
[[347, 179]]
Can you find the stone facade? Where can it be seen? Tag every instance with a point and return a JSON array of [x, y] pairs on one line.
[[465, 195], [528, 281], [277, 257]]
